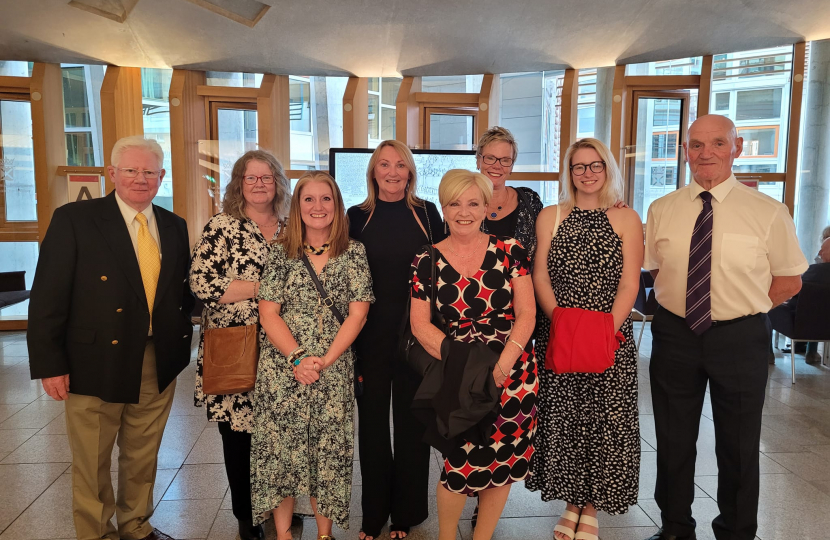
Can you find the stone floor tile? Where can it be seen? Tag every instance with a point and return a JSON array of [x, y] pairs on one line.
[[808, 465], [208, 448], [55, 427], [16, 386], [203, 481], [22, 484], [180, 435], [50, 516], [186, 519], [36, 414], [523, 502], [42, 449], [7, 360], [704, 511], [515, 528], [7, 410], [10, 439], [16, 348]]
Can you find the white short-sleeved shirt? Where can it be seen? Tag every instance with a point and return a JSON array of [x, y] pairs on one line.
[[753, 239]]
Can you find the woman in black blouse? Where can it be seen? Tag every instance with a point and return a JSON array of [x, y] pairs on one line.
[[393, 224], [224, 274], [512, 211]]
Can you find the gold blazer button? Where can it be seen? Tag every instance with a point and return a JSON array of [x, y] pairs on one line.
[[119, 310], [115, 342], [103, 278]]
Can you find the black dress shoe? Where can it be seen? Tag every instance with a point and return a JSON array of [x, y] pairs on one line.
[[249, 531], [665, 536]]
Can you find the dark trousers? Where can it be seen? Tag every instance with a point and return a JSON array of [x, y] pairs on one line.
[[399, 485], [237, 450], [732, 359]]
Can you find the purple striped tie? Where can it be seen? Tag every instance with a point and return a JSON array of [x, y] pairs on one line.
[[698, 284]]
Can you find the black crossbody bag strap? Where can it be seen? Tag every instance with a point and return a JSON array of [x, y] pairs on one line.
[[324, 296]]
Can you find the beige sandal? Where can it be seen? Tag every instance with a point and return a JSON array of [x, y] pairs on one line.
[[591, 521], [564, 529], [325, 537]]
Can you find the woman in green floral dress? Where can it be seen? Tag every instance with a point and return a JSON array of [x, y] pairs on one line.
[[303, 434]]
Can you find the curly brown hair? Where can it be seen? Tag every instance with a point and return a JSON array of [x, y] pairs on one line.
[[233, 203]]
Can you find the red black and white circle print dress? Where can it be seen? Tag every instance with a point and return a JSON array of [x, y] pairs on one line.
[[480, 308]]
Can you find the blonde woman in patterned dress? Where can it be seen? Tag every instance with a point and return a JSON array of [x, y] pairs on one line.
[[224, 274], [588, 442], [303, 435]]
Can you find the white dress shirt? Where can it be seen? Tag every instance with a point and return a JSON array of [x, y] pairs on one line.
[[133, 225], [753, 239]]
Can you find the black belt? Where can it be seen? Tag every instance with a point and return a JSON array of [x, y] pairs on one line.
[[730, 321]]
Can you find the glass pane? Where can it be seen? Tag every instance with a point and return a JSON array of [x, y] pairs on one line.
[[299, 105], [79, 149], [773, 189], [324, 110], [759, 141], [389, 93], [722, 101], [226, 78], [14, 257], [387, 123], [451, 132], [13, 68], [374, 84], [452, 83], [758, 104], [17, 159], [155, 88], [75, 103], [374, 112], [237, 134], [682, 66], [656, 155]]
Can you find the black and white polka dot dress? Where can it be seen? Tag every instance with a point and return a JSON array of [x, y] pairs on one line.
[[588, 438]]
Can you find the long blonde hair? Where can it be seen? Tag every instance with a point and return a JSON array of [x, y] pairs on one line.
[[403, 151], [612, 189], [292, 240]]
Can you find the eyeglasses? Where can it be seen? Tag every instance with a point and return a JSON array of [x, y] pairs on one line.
[[490, 160], [251, 179], [595, 166], [132, 173]]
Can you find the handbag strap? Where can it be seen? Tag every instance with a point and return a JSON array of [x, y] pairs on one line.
[[324, 296], [432, 304], [523, 196]]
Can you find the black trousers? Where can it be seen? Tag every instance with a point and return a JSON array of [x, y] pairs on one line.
[[237, 449], [732, 359], [392, 485]]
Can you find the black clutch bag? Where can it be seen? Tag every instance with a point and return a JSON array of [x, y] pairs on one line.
[[413, 352]]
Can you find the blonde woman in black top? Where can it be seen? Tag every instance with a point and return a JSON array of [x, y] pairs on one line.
[[393, 224]]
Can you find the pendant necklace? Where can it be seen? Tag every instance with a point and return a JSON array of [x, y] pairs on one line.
[[495, 214]]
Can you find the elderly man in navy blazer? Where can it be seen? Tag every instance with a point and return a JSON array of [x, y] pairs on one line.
[[109, 331]]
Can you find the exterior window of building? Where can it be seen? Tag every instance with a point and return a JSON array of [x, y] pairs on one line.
[[14, 68], [664, 145], [681, 66], [155, 88], [665, 114], [663, 176], [226, 78], [383, 93], [82, 114], [452, 84], [753, 88], [299, 91]]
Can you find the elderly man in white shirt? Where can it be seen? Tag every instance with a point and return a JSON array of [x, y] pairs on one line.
[[723, 255]]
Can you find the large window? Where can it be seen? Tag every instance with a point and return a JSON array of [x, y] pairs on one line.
[[681, 66], [664, 145], [82, 114], [758, 104], [155, 88], [383, 93]]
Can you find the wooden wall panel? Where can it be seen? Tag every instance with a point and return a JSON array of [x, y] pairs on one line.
[[796, 94], [484, 104], [121, 109], [406, 112], [187, 139], [49, 140], [704, 93], [356, 113]]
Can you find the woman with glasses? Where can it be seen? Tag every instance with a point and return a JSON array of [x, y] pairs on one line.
[[393, 224], [224, 274], [512, 211], [589, 256]]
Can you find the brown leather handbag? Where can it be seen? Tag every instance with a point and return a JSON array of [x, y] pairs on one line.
[[229, 359]]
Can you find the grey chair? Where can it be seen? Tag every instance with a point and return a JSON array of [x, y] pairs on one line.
[[646, 304]]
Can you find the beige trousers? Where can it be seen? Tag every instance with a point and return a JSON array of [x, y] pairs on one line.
[[93, 426]]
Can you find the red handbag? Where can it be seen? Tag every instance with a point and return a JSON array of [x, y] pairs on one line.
[[581, 341]]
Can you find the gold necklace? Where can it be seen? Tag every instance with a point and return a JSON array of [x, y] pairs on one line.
[[471, 253], [311, 250]]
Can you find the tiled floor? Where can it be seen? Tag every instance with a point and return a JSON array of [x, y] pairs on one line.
[[192, 499]]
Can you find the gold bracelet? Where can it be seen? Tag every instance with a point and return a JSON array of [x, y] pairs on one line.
[[500, 369], [516, 343]]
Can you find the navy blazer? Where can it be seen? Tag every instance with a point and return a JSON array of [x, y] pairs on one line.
[[88, 313]]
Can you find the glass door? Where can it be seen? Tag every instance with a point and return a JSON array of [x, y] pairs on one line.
[[233, 132], [18, 201], [654, 164], [450, 128]]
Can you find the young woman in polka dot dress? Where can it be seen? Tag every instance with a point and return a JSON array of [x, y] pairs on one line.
[[588, 442]]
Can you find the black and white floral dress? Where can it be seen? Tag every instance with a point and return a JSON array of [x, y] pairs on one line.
[[302, 442], [588, 442], [228, 249]]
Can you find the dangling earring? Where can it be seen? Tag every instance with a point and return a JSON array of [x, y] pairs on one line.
[[445, 227]]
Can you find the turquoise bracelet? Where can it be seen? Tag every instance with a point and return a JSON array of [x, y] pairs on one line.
[[298, 360]]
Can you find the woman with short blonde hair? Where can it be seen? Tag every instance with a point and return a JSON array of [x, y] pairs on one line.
[[457, 181], [393, 223]]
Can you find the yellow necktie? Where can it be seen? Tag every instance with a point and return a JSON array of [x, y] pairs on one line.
[[149, 262]]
